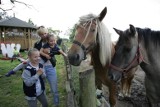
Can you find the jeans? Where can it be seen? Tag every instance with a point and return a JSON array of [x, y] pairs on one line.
[[52, 79]]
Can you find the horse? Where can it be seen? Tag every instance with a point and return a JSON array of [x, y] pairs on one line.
[[92, 37], [138, 46]]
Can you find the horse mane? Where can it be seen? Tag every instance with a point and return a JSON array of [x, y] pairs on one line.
[[104, 39], [149, 36]]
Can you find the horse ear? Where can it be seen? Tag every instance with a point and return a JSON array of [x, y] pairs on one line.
[[132, 29], [102, 14], [119, 32]]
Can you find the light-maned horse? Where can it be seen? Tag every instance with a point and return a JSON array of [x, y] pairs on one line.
[[139, 46], [92, 37]]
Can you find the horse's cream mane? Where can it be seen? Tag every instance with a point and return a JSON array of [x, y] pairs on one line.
[[103, 37]]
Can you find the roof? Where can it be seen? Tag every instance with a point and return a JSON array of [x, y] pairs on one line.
[[15, 22]]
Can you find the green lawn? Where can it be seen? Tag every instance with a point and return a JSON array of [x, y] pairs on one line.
[[11, 92]]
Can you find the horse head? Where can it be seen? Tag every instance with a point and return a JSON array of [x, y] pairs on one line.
[[85, 37], [126, 55]]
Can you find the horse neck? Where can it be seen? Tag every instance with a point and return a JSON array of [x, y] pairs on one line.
[[95, 60], [149, 41], [148, 38]]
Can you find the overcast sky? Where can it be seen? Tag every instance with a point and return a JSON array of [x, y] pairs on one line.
[[63, 14]]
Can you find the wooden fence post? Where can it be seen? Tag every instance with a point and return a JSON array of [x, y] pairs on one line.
[[87, 87], [71, 100]]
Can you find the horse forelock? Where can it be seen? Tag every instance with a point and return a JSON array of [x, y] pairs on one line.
[[86, 18], [105, 44]]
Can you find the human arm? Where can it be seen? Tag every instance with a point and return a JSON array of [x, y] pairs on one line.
[[28, 79], [43, 52], [21, 65], [64, 54]]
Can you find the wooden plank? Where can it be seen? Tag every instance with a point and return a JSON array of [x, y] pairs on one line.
[[87, 87], [68, 88], [70, 101]]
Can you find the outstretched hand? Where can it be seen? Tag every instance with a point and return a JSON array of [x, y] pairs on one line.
[[65, 55]]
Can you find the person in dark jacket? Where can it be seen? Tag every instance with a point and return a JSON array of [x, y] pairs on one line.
[[42, 32], [33, 83]]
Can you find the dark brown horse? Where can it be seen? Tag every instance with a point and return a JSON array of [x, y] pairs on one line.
[[139, 46], [92, 37]]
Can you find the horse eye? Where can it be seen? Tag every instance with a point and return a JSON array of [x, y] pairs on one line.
[[127, 48], [92, 30]]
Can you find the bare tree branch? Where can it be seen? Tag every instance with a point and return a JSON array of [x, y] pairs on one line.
[[6, 9], [16, 1], [27, 5]]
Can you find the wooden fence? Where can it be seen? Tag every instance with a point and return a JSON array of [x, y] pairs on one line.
[[87, 96]]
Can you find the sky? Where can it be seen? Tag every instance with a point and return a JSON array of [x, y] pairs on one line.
[[63, 14]]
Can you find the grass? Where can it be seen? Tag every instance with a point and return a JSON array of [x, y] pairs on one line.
[[11, 91]]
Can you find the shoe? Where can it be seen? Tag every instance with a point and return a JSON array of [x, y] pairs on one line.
[[10, 73]]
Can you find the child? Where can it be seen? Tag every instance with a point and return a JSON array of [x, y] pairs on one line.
[[48, 51], [33, 84], [16, 54]]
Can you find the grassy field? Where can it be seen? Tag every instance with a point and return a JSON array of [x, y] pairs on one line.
[[11, 92]]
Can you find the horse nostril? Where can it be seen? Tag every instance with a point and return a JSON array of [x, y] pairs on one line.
[[73, 57], [77, 56], [111, 77]]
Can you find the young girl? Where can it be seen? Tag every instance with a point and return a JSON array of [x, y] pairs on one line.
[[48, 51], [33, 84]]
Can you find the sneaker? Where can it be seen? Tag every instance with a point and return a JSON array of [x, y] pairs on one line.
[[10, 73]]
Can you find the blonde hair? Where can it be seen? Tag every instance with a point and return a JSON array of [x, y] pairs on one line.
[[31, 51], [41, 30], [51, 35]]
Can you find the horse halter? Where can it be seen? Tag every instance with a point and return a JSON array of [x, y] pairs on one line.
[[82, 47], [81, 44], [138, 57]]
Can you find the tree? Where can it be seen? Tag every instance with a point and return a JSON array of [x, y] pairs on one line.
[[30, 21], [56, 32], [72, 33], [3, 15]]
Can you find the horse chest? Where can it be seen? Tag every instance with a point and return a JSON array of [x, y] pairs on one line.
[[152, 90], [151, 70], [152, 79]]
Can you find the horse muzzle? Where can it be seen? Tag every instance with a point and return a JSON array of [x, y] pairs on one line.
[[114, 75], [74, 59]]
